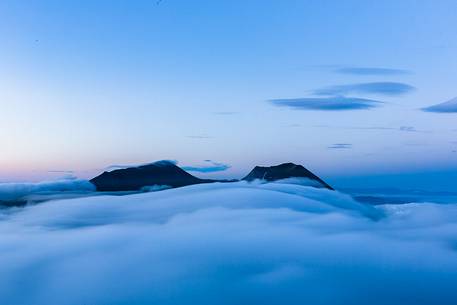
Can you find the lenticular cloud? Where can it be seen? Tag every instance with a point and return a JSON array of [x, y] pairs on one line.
[[228, 243]]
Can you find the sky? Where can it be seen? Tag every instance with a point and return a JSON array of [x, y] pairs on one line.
[[353, 90]]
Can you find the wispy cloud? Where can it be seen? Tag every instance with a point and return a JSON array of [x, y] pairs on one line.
[[416, 144], [225, 112], [64, 174], [340, 146], [401, 128], [123, 166], [408, 129], [20, 191], [117, 166], [373, 128], [371, 71], [336, 103], [209, 167], [382, 88], [61, 171], [294, 125], [199, 137], [446, 107]]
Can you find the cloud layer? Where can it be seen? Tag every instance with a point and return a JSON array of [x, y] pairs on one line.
[[236, 243], [336, 103], [371, 71], [19, 191], [380, 88], [446, 107], [340, 146], [401, 128], [209, 167], [225, 112], [123, 166]]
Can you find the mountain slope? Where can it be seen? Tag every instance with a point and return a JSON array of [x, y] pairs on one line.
[[284, 171], [166, 173], [134, 178], [446, 107]]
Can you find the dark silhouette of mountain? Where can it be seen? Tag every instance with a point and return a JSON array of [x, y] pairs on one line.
[[164, 173], [284, 171]]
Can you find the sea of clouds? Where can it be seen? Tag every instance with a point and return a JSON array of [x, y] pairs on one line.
[[228, 243], [22, 191]]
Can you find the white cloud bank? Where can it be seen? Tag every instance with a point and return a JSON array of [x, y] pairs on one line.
[[18, 191], [228, 243]]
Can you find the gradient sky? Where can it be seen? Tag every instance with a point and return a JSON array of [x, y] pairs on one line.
[[337, 86]]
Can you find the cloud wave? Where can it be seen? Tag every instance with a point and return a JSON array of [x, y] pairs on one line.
[[237, 243]]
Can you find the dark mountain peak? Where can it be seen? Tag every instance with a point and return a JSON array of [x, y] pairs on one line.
[[283, 171], [282, 166], [134, 178], [161, 163], [167, 173]]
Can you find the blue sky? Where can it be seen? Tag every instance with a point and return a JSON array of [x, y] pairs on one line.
[[338, 86]]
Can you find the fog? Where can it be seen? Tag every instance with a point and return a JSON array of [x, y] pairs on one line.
[[19, 191], [228, 243]]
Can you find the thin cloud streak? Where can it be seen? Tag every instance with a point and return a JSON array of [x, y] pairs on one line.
[[371, 71], [124, 166], [210, 168], [61, 171], [199, 137], [225, 112], [401, 128], [337, 103], [381, 88], [340, 146]]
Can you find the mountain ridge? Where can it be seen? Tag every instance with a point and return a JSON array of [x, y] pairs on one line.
[[284, 171], [167, 173]]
